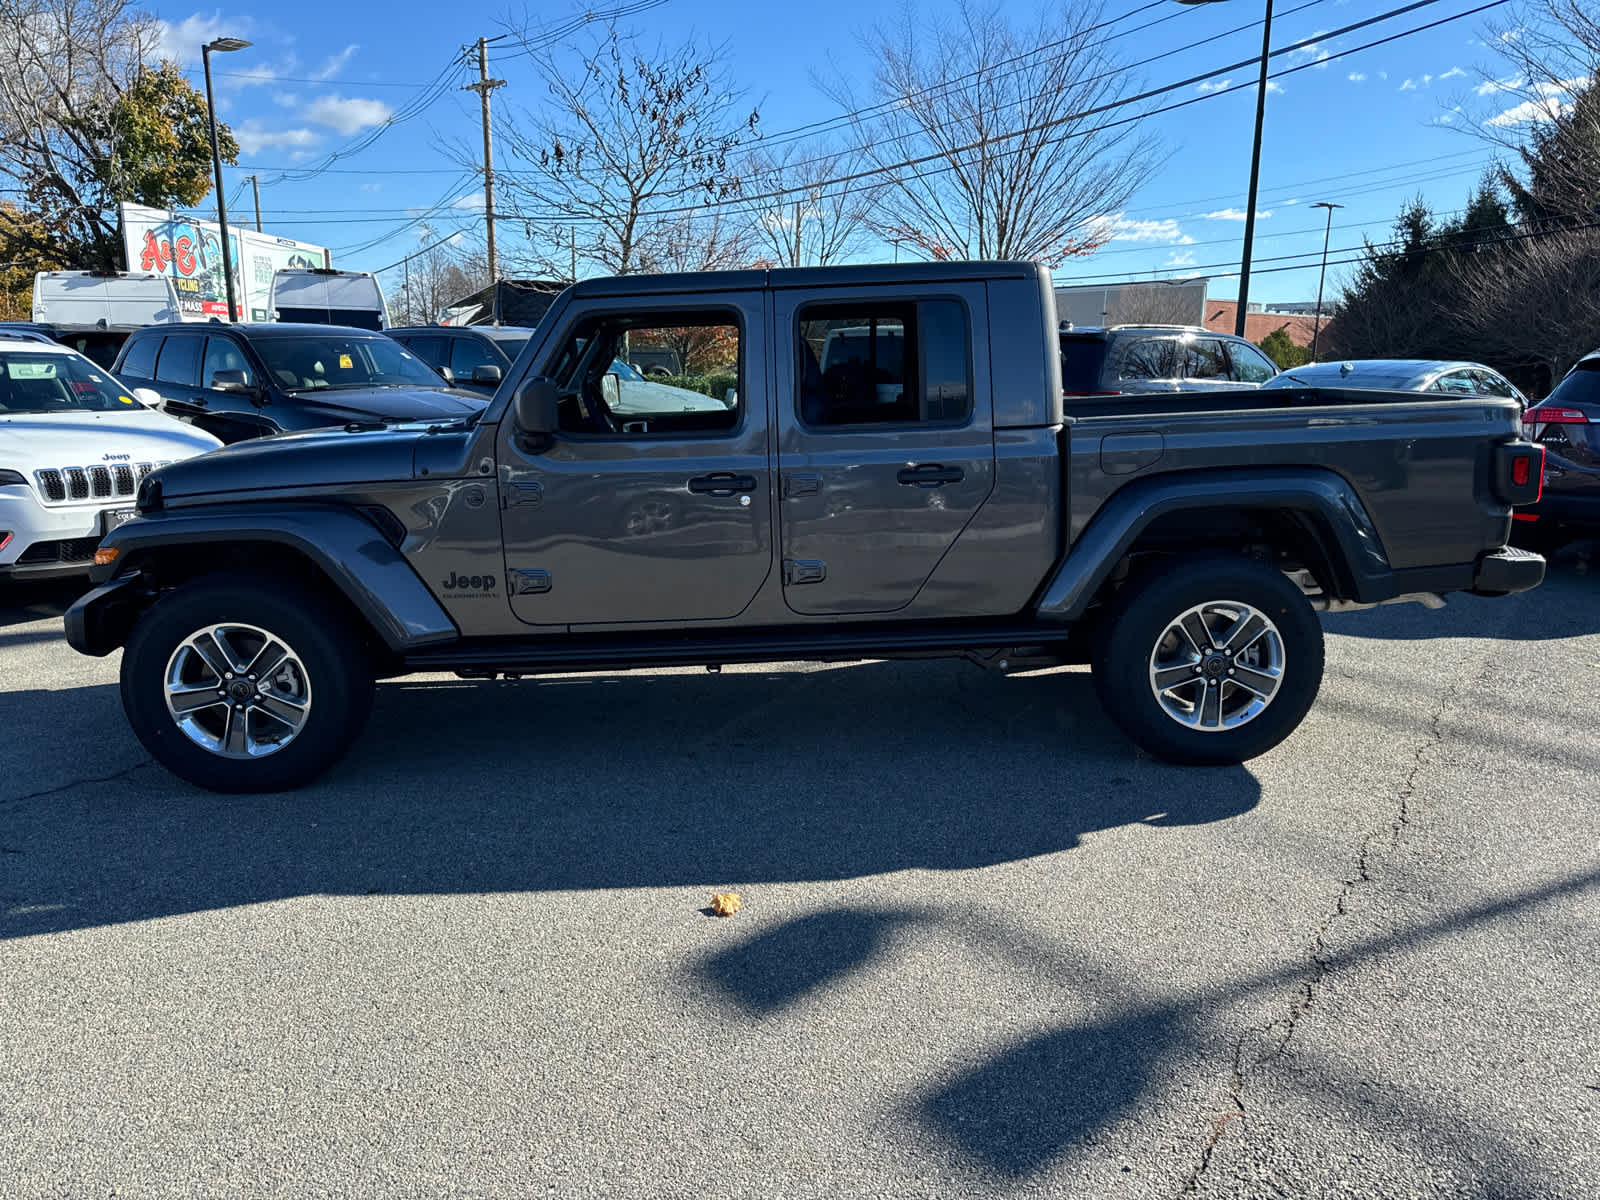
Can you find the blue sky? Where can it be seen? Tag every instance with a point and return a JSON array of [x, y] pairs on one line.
[[1367, 130]]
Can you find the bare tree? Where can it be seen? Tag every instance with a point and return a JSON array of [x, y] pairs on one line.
[[1154, 304], [1555, 274], [998, 162], [707, 241], [431, 281], [629, 129], [810, 224], [1539, 104]]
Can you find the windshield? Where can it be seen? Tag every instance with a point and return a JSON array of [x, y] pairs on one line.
[[336, 361], [65, 383]]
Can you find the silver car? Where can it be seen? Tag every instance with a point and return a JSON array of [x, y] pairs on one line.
[[1141, 359], [1402, 375]]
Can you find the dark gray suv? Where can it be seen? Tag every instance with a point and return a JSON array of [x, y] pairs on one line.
[[1124, 359], [475, 357]]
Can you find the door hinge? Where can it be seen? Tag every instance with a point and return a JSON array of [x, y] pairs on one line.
[[528, 583], [804, 570], [524, 493], [801, 483]]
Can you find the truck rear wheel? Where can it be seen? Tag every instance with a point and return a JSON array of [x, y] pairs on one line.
[[1211, 661], [246, 683]]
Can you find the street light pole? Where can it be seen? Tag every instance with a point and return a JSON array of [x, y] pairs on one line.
[[1316, 330], [1255, 166], [221, 45]]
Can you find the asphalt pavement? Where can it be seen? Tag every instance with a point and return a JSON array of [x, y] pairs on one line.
[[986, 949]]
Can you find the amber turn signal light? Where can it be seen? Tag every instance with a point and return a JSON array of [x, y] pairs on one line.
[[105, 556]]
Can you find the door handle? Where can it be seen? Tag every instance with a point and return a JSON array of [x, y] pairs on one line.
[[198, 401], [929, 475], [722, 483]]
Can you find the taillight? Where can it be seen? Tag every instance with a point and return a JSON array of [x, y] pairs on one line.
[[1555, 416], [1519, 472]]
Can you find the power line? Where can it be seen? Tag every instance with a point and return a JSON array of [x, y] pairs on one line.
[[816, 190]]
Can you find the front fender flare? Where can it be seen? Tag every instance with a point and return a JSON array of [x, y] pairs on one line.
[[1321, 494], [346, 547]]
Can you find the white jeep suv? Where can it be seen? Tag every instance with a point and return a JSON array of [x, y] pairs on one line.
[[74, 444]]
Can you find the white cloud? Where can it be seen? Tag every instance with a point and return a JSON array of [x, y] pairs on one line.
[[1383, 75], [286, 100], [1118, 227], [1214, 85], [1356, 77], [1548, 102], [472, 201], [1180, 258], [1453, 73], [347, 115], [1235, 214], [1274, 89], [1409, 85], [372, 187], [254, 137], [181, 42], [335, 63], [1546, 108], [1490, 86], [1287, 203]]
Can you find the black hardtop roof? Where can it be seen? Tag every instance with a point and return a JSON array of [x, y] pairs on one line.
[[255, 329], [787, 277], [486, 330]]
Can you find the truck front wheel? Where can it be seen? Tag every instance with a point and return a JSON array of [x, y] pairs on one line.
[[1211, 661], [246, 683]]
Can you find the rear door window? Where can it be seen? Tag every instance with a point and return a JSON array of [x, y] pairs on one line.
[[179, 362], [1204, 358], [140, 362], [433, 349], [1145, 358]]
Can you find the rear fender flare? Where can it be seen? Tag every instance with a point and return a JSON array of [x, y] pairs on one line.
[[1325, 497]]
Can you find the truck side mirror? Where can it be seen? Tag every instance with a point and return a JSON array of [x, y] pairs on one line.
[[486, 373], [536, 402], [449, 375]]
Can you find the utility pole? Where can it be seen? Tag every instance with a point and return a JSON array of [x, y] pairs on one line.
[[573, 233], [483, 87], [255, 187], [1316, 330]]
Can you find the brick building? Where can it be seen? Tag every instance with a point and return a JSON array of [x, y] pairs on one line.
[[1221, 314]]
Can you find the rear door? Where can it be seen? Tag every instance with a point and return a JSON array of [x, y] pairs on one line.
[[1205, 365], [177, 375], [886, 445]]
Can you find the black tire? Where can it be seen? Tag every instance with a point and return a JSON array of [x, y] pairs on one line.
[[1126, 655], [328, 656]]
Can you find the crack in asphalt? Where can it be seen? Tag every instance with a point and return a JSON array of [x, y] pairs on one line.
[[1388, 836], [75, 783]]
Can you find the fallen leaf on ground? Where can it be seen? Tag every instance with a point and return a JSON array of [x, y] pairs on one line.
[[725, 904]]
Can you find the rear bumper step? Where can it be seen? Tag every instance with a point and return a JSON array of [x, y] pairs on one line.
[[1507, 570]]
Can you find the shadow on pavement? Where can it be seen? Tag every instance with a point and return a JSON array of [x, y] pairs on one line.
[[44, 600], [598, 782], [1566, 604], [1025, 1107]]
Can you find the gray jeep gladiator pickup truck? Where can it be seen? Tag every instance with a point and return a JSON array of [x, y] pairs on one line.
[[857, 462]]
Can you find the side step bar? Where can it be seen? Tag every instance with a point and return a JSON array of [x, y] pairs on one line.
[[566, 652]]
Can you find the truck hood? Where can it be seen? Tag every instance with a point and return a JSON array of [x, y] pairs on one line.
[[397, 404], [333, 458], [39, 441]]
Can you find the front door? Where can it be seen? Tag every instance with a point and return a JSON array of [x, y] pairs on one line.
[[653, 502], [886, 446]]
